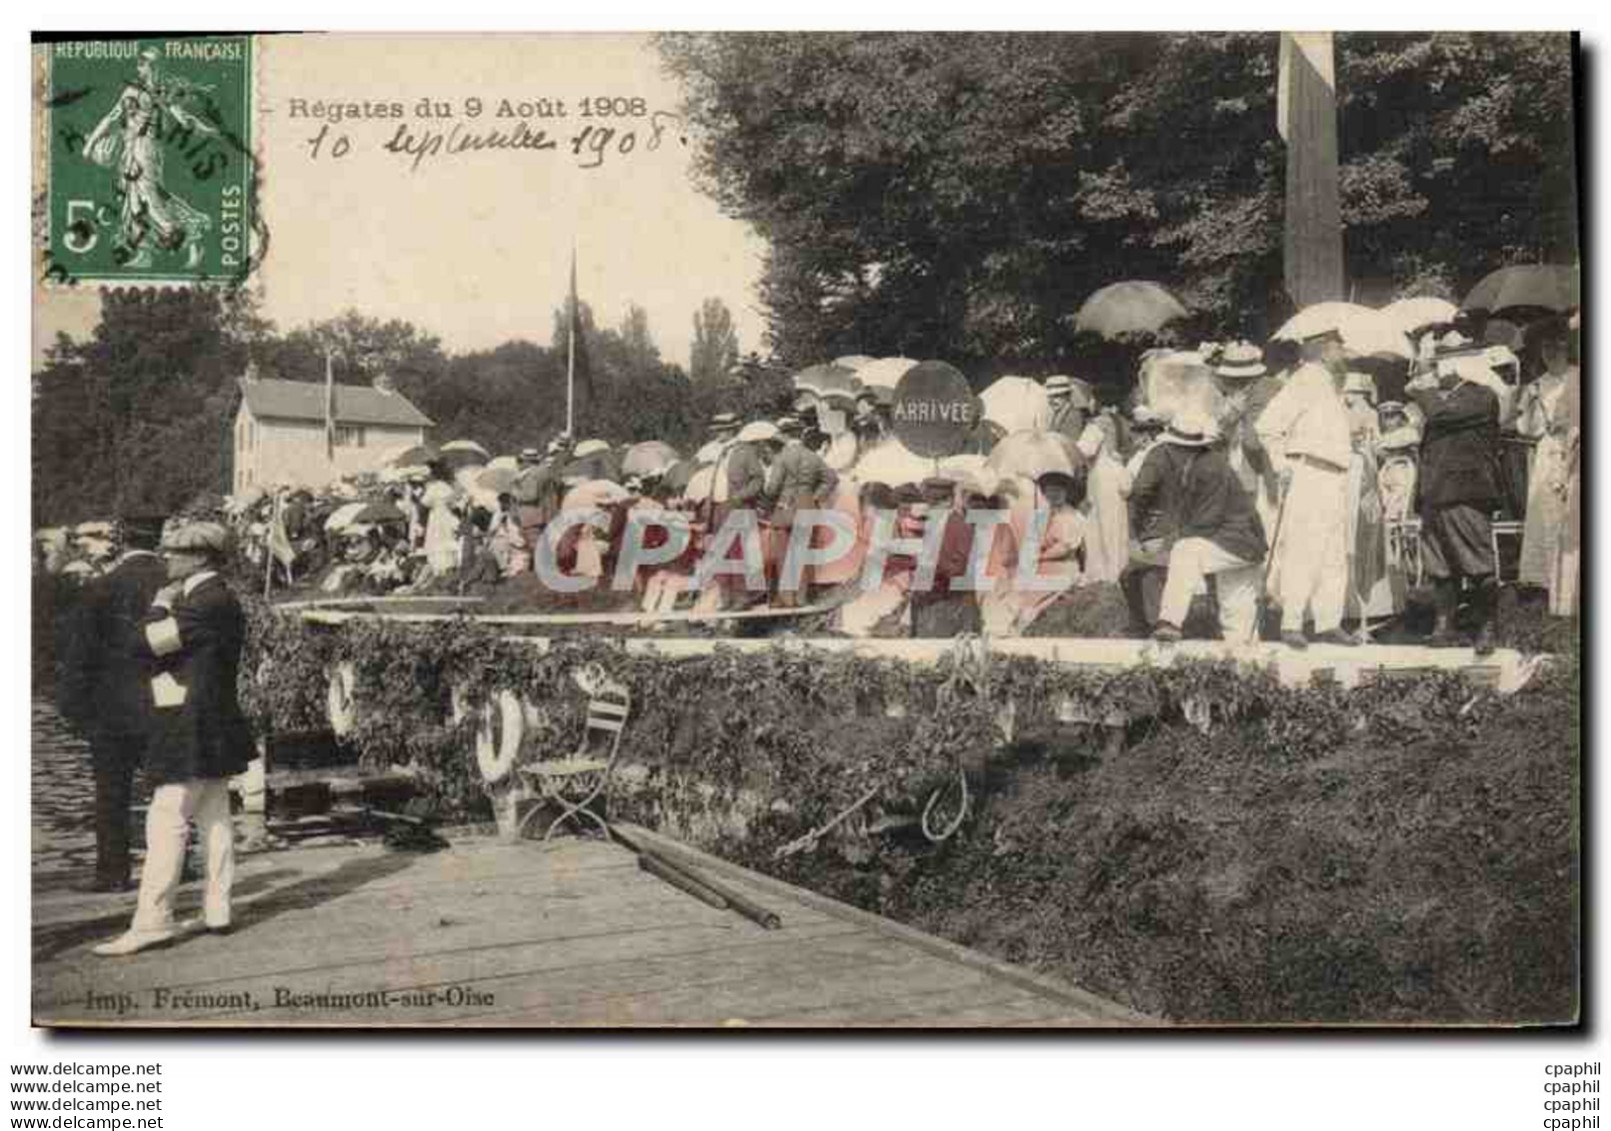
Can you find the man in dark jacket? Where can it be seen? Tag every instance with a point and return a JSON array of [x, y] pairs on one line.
[[1155, 503], [1459, 488], [197, 737], [1219, 534], [106, 690]]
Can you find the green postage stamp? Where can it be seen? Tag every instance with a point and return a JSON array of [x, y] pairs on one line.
[[150, 160]]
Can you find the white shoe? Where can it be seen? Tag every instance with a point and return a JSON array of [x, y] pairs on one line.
[[132, 942]]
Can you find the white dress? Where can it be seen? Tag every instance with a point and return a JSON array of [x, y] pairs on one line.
[[1107, 541], [1540, 419], [441, 528]]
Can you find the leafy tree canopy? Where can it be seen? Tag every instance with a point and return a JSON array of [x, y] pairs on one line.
[[959, 195]]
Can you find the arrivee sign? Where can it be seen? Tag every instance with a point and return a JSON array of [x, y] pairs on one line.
[[934, 409]]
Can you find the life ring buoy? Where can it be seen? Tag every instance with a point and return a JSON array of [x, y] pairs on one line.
[[341, 704], [499, 733]]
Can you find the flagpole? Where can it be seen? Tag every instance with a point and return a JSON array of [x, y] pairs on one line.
[[570, 359], [330, 407]]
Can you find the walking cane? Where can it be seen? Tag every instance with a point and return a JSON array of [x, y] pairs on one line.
[[1275, 539]]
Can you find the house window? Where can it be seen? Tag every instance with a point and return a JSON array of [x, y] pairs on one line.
[[349, 436]]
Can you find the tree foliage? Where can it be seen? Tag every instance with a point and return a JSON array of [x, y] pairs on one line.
[[960, 195], [138, 416], [714, 352]]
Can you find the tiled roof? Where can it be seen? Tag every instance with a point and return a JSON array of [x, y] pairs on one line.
[[355, 404]]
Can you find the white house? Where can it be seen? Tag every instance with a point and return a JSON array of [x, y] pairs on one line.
[[280, 431]]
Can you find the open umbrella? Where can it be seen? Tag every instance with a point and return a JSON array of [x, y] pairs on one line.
[[651, 457], [885, 373], [1412, 314], [378, 513], [595, 465], [1034, 453], [498, 480], [512, 463], [1365, 332], [827, 378], [892, 463], [1130, 307], [417, 456], [594, 493], [1017, 404], [704, 484], [344, 516], [1544, 286], [963, 465], [464, 453], [854, 361]]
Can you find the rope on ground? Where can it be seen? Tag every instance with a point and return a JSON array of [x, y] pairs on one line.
[[809, 840], [970, 666]]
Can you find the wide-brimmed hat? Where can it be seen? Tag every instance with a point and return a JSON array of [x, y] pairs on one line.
[[758, 431], [1191, 429], [590, 448], [1453, 344], [197, 538], [790, 425], [1241, 360], [1058, 479]]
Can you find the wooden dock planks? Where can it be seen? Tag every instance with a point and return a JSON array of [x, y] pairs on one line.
[[517, 935]]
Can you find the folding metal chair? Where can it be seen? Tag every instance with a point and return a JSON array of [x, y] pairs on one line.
[[576, 782]]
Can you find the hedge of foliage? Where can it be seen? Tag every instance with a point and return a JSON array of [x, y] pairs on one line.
[[1406, 850]]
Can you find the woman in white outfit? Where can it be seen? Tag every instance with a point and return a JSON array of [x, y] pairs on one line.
[[1540, 417], [1107, 541]]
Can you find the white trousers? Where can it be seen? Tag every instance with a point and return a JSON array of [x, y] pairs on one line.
[[1193, 559], [1310, 567], [207, 803]]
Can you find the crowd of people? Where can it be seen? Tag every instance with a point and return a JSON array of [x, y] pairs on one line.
[[1267, 478]]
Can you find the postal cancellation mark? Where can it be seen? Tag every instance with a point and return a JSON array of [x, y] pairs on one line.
[[150, 160]]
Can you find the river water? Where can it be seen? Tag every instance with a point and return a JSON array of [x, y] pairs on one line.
[[62, 789]]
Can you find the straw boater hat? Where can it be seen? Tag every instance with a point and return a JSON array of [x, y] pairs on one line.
[[790, 425], [1058, 386], [1241, 361], [1454, 344], [723, 422], [1191, 429], [206, 538], [532, 455], [758, 431]]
